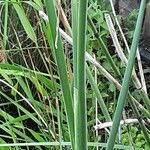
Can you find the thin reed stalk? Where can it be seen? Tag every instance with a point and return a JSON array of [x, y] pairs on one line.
[[98, 94], [127, 79], [59, 54], [80, 102]]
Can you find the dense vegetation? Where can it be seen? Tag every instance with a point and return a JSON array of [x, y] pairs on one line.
[[65, 76]]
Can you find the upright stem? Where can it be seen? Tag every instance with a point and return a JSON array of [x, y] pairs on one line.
[[127, 78], [60, 59], [74, 6], [80, 102], [98, 94]]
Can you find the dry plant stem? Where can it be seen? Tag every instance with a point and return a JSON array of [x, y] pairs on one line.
[[141, 71], [126, 82], [117, 22], [115, 39], [107, 130], [3, 58], [109, 124], [95, 63], [119, 49], [127, 46], [90, 57], [104, 72], [143, 91], [116, 83], [63, 17], [87, 55]]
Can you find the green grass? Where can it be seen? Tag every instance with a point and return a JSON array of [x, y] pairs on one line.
[[48, 88]]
